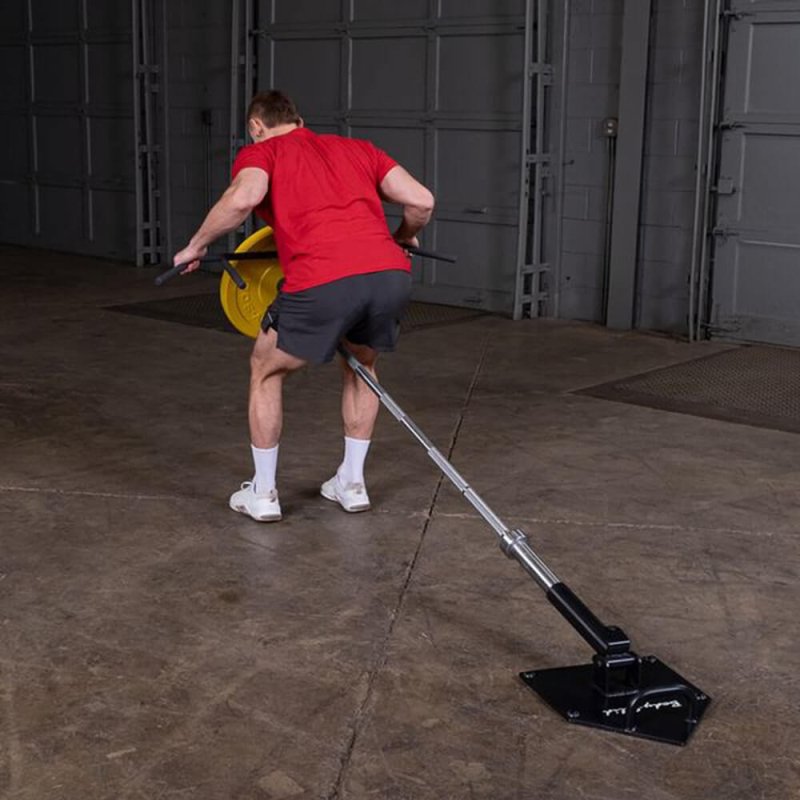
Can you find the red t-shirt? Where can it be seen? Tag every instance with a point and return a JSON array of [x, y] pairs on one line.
[[324, 207]]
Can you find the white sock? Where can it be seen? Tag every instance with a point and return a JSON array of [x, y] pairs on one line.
[[266, 462], [355, 454]]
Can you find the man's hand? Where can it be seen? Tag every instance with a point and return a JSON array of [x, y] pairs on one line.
[[406, 241], [412, 241], [190, 255]]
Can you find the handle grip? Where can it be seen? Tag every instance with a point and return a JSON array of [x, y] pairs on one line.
[[169, 274], [418, 251], [176, 270]]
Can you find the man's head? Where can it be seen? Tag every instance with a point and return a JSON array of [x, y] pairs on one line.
[[271, 114]]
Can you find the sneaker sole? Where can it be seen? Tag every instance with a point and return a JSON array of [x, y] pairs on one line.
[[264, 518], [352, 510]]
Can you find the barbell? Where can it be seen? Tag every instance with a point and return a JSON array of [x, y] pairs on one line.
[[250, 278]]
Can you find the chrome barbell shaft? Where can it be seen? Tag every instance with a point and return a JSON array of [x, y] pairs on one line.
[[514, 543]]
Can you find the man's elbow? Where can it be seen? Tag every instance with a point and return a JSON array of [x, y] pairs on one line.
[[425, 201]]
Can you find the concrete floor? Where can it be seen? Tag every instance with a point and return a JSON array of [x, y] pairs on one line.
[[157, 645]]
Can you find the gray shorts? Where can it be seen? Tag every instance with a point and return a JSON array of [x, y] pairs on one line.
[[364, 309]]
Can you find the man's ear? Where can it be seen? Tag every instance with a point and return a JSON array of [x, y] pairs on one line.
[[256, 129], [302, 123]]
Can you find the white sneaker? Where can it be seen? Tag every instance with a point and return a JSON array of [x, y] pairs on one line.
[[351, 497], [261, 507]]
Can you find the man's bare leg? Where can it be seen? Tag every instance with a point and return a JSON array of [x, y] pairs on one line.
[[359, 403], [359, 411], [268, 367]]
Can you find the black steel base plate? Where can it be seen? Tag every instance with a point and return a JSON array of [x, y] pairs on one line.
[[666, 707]]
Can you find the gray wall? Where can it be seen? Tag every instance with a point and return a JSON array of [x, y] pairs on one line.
[[670, 142]]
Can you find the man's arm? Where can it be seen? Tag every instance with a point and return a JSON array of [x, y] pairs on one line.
[[246, 191], [398, 186]]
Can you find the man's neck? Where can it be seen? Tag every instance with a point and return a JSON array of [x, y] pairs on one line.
[[281, 130]]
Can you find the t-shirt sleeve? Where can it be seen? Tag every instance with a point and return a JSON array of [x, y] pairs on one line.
[[383, 163], [253, 156]]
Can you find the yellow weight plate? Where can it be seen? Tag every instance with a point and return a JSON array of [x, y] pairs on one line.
[[245, 307]]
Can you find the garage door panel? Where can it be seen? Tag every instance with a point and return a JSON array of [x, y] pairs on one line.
[[404, 145], [61, 216], [320, 127], [13, 67], [770, 182], [59, 141], [57, 73], [459, 9], [388, 10], [114, 222], [112, 150], [109, 15], [479, 170], [305, 11], [110, 69], [15, 154], [480, 74], [17, 217], [309, 70], [763, 265], [764, 55], [60, 17], [15, 19], [747, 305], [388, 73], [486, 256]]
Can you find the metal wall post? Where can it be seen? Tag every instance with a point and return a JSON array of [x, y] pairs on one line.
[[563, 93], [164, 165], [33, 133], [137, 128], [242, 71], [628, 177], [145, 73], [529, 293], [707, 149]]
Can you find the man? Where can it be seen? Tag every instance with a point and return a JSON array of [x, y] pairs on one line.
[[347, 278]]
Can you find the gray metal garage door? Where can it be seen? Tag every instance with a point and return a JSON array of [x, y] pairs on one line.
[[67, 164], [440, 86], [756, 273]]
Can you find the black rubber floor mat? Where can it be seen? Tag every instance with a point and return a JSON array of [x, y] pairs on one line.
[[199, 310], [758, 386], [205, 311]]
